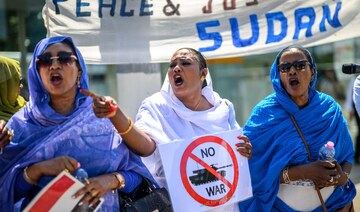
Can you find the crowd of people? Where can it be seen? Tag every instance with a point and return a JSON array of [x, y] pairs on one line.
[[65, 124]]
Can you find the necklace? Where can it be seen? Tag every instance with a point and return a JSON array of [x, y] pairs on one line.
[[197, 105]]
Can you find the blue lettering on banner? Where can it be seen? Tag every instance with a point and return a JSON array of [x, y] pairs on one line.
[[80, 4], [203, 35], [112, 6], [299, 14], [123, 10], [270, 18], [304, 19], [237, 41], [57, 10], [144, 7], [326, 15]]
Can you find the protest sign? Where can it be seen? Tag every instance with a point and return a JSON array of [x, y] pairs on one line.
[[206, 172], [57, 195]]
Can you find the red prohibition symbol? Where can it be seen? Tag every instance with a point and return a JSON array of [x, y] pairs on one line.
[[189, 155]]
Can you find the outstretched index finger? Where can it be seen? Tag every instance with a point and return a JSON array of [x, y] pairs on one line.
[[89, 93]]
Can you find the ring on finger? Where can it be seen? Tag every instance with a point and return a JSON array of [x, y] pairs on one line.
[[11, 133], [87, 181], [93, 105], [93, 194], [331, 180]]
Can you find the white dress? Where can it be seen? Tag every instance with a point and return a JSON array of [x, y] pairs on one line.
[[165, 118]]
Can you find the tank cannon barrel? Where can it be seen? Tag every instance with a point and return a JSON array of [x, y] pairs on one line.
[[202, 171], [199, 171], [221, 167]]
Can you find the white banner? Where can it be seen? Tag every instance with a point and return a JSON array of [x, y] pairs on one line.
[[143, 31], [206, 172]]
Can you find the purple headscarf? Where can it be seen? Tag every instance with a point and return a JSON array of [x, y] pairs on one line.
[[41, 134]]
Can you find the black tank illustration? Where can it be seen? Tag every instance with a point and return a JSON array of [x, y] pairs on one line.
[[203, 176]]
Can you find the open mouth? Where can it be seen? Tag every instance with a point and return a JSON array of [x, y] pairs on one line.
[[294, 82], [56, 78], [178, 80]]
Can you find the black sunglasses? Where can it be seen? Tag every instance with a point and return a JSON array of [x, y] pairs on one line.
[[64, 58], [298, 65]]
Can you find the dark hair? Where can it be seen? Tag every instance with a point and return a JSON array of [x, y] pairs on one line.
[[300, 48], [201, 58]]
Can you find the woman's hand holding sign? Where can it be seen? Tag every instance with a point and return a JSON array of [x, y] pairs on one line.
[[245, 149]]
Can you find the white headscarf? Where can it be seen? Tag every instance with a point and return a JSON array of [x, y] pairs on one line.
[[165, 119]]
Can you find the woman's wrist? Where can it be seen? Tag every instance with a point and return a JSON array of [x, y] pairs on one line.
[[122, 123], [344, 178], [29, 177], [115, 118], [119, 180], [296, 172], [129, 128], [285, 175]]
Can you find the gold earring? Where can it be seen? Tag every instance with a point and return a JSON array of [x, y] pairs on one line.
[[202, 78]]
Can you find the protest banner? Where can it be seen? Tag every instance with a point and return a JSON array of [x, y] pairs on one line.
[[144, 31]]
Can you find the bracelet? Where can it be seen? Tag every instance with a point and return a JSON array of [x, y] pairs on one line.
[[27, 178], [131, 124], [120, 179], [285, 174]]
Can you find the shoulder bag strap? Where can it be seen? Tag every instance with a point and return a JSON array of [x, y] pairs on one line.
[[302, 137], [309, 156]]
